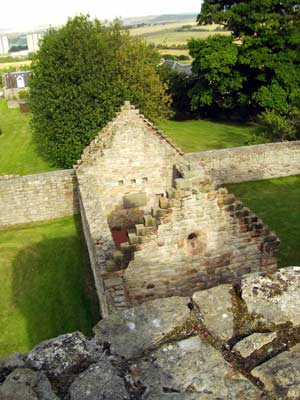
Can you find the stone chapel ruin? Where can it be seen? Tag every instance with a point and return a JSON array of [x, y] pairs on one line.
[[182, 232], [192, 304]]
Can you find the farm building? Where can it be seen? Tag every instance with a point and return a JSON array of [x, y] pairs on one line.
[[181, 68]]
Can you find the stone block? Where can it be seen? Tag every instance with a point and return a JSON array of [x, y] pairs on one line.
[[25, 384], [192, 369], [100, 381], [253, 343], [164, 203], [273, 299], [216, 310], [150, 221], [281, 374], [138, 329], [134, 200]]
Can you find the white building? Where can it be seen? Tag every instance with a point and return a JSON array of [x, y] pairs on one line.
[[33, 41], [4, 45]]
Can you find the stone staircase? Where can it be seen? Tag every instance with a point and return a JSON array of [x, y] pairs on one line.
[[143, 240], [146, 232]]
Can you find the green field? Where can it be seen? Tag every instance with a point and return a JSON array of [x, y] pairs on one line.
[[168, 34], [18, 153], [46, 284], [202, 135], [276, 202], [171, 37]]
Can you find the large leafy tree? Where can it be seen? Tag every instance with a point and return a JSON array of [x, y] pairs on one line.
[[258, 66], [81, 75]]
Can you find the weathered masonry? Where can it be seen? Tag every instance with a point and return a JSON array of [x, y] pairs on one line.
[[37, 197], [240, 164], [180, 232]]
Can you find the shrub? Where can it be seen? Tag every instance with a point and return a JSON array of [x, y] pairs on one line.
[[81, 75], [281, 127]]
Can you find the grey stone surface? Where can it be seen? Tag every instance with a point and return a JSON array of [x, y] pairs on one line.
[[12, 361], [215, 306], [64, 354], [252, 343], [275, 298], [137, 329], [281, 374], [25, 384], [192, 369], [99, 382]]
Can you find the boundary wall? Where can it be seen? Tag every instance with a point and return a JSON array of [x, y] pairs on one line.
[[247, 163], [38, 197]]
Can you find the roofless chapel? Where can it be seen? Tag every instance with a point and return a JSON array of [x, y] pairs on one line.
[[156, 225]]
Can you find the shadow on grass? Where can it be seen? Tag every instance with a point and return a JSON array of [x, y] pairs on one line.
[[53, 287]]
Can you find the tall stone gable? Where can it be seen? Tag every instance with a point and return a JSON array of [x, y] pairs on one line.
[[181, 233]]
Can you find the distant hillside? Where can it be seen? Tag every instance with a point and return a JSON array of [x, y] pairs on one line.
[[159, 19]]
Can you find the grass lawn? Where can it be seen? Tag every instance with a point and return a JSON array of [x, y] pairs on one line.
[[276, 202], [46, 284], [201, 135], [18, 153], [15, 65]]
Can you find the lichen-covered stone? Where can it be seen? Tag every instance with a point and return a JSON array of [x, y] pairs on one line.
[[249, 345], [138, 329], [192, 369], [215, 306], [10, 363], [273, 299], [281, 374], [25, 384], [100, 381], [64, 354]]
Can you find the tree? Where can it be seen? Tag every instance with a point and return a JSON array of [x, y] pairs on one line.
[[179, 85], [81, 75], [258, 66]]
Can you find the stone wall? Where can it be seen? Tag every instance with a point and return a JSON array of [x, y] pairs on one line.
[[97, 234], [248, 163], [37, 197], [204, 237]]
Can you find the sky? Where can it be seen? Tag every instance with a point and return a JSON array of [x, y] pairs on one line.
[[32, 13]]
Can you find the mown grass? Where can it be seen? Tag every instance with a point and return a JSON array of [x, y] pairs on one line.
[[14, 65], [18, 153], [46, 284], [276, 202], [201, 135]]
